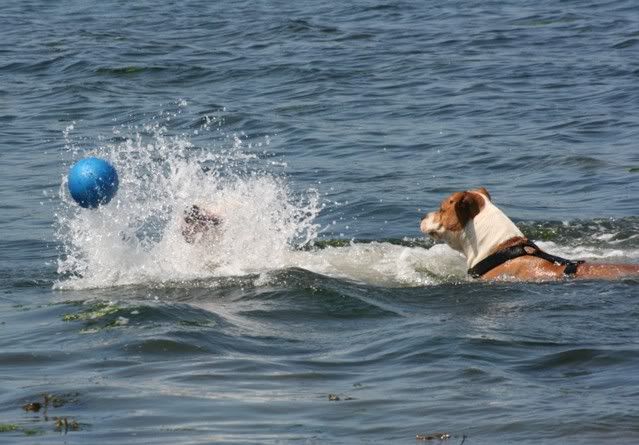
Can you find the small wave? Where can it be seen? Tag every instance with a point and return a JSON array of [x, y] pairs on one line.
[[296, 26], [127, 70], [390, 263], [574, 362], [373, 263], [592, 253], [386, 264], [618, 234], [628, 43]]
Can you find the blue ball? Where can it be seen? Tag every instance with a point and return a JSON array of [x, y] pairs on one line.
[[92, 182]]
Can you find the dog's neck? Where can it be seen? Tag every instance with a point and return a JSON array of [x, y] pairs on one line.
[[488, 229]]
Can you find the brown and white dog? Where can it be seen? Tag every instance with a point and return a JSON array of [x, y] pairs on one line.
[[496, 249]]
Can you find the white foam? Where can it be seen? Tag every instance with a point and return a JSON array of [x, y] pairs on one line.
[[590, 253], [136, 239], [385, 264]]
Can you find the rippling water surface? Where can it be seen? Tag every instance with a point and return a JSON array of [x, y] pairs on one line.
[[321, 131]]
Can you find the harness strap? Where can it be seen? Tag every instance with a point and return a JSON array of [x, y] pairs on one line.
[[500, 257]]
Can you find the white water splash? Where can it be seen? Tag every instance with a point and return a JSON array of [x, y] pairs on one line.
[[136, 239], [386, 264], [591, 253]]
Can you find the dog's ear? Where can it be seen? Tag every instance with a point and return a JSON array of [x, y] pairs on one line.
[[484, 192], [467, 207]]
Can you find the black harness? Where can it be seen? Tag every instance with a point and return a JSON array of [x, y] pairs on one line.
[[526, 248]]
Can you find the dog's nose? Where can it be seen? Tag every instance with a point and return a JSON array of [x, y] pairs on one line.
[[424, 216]]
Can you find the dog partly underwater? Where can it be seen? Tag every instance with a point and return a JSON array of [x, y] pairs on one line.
[[495, 249], [200, 223]]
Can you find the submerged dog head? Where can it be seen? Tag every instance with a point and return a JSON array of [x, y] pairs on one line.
[[198, 222], [469, 223]]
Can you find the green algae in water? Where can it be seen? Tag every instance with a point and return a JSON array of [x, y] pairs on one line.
[[59, 400], [8, 427], [66, 424], [95, 312], [98, 316], [33, 432]]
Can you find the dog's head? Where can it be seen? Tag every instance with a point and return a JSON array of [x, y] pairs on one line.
[[454, 214], [197, 222], [470, 223]]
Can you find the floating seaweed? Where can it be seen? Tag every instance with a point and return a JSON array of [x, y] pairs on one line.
[[33, 407], [61, 424], [336, 398], [439, 437], [433, 436], [8, 427], [64, 425]]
